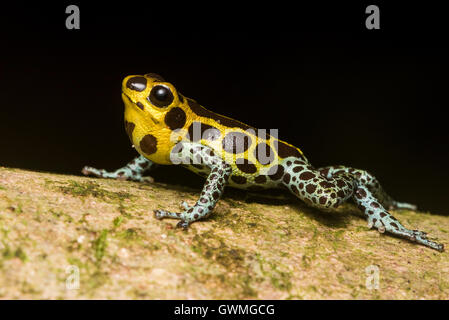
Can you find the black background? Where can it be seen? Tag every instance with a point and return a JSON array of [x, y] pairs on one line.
[[370, 99]]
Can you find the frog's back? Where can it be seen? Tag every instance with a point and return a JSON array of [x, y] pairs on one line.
[[256, 156]]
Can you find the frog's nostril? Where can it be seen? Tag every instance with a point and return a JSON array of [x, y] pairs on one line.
[[137, 83]]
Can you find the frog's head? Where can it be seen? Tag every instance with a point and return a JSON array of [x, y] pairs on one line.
[[153, 111], [150, 95]]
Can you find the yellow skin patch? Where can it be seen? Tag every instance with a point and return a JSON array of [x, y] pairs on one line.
[[149, 119]]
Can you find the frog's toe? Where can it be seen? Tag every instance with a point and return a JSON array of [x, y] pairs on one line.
[[161, 214], [147, 179], [403, 205], [184, 205], [418, 237], [90, 171], [183, 224], [85, 170]]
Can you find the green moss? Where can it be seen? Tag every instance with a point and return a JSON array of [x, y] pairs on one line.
[[5, 232], [75, 262], [154, 246], [19, 253], [213, 247], [129, 234], [312, 288], [279, 279], [100, 245], [137, 293], [361, 229], [234, 204], [245, 281], [91, 189], [17, 208], [442, 285], [83, 218], [117, 221], [338, 234], [2, 187], [27, 288], [305, 261], [9, 253], [239, 274], [122, 210], [96, 280], [252, 221], [61, 214]]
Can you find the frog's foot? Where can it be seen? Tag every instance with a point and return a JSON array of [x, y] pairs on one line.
[[189, 215], [161, 214], [402, 205], [383, 221], [391, 225], [133, 171], [121, 174]]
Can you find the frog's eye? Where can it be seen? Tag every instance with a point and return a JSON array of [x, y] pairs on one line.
[[160, 96]]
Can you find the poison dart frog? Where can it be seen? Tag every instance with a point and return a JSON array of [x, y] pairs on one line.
[[165, 127]]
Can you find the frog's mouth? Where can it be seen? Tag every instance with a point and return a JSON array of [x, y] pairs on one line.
[[130, 100], [155, 121]]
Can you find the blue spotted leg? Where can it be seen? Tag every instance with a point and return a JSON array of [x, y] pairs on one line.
[[192, 153], [133, 170], [367, 179], [383, 221], [328, 187]]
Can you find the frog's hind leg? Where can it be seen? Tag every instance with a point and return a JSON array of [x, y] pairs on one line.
[[373, 185], [133, 170], [326, 189], [309, 185], [213, 188]]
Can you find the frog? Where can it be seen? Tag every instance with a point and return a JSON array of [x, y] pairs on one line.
[[167, 128]]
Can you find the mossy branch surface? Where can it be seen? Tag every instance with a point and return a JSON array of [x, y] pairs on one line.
[[252, 247]]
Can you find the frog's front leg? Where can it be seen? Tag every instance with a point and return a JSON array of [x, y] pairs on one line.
[[133, 170], [220, 171]]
